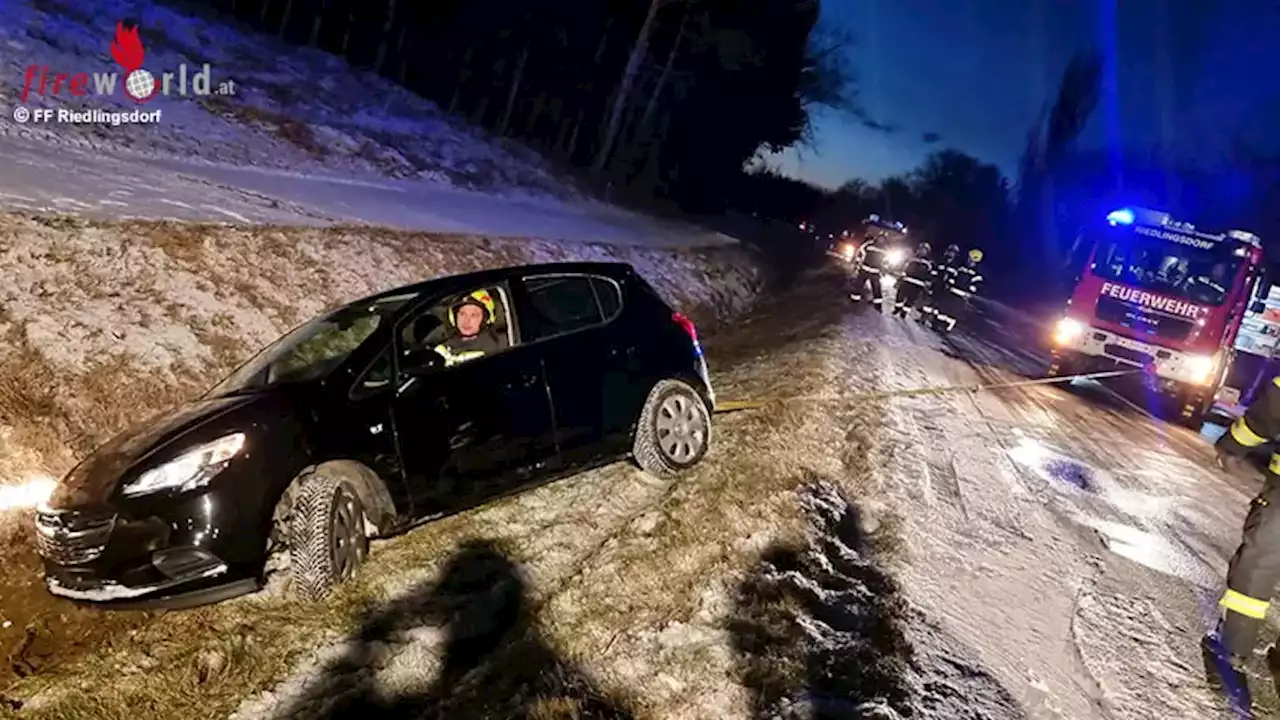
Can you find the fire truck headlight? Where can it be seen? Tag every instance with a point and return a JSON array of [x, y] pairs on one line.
[[1199, 369], [1067, 330], [895, 256]]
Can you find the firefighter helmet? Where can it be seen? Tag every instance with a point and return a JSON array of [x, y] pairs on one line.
[[481, 299], [975, 256]]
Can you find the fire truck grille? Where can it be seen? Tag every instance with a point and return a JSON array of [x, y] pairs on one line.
[[72, 538], [1144, 322], [1124, 353]]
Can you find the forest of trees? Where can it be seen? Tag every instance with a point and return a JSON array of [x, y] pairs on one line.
[[670, 100], [1028, 226], [663, 98]]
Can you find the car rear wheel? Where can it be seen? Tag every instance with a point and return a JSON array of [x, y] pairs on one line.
[[327, 540], [674, 431]]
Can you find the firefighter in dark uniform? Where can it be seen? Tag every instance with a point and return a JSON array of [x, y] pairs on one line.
[[938, 284], [870, 265], [1254, 570], [961, 284], [915, 280]]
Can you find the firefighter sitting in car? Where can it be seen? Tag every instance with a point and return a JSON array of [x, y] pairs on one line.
[[916, 277], [471, 319]]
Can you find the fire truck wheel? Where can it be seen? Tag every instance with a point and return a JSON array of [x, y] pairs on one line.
[[1060, 366], [1192, 411]]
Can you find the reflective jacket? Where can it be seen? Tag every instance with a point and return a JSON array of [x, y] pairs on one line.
[[1259, 425], [460, 349], [965, 280], [872, 256], [919, 271]]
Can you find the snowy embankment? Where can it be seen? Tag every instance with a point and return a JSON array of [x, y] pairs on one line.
[[105, 323], [305, 139], [754, 586]]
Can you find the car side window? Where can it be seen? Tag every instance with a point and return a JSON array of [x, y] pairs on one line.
[[559, 305], [608, 296], [377, 376], [462, 327]]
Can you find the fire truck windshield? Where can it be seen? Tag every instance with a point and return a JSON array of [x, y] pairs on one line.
[[1199, 275]]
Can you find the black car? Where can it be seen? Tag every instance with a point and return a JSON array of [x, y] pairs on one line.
[[385, 412]]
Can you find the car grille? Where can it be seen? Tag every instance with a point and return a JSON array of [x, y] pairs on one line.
[[1147, 323], [71, 537], [1124, 353]]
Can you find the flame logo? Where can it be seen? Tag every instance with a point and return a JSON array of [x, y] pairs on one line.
[[127, 48]]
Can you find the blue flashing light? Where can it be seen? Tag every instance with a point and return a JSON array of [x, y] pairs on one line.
[[1123, 216]]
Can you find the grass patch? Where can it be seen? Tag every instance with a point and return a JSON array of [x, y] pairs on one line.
[[82, 663]]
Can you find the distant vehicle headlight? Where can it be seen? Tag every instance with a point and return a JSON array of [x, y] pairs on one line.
[[895, 256], [1200, 368], [190, 470], [1067, 330]]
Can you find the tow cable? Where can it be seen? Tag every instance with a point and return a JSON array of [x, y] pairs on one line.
[[728, 406]]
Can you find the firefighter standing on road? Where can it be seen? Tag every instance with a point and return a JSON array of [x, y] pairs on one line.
[[942, 273], [1254, 571], [915, 281], [961, 285], [870, 266]]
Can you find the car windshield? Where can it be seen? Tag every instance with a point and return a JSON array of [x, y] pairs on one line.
[[1200, 275], [312, 351]]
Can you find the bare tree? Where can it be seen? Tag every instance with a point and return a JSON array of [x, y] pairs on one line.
[[645, 127], [515, 89], [639, 52]]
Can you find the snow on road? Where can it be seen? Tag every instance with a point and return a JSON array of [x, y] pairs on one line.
[[105, 185], [1035, 552], [1062, 551], [1078, 543]]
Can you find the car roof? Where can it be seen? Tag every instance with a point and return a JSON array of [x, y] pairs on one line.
[[465, 281]]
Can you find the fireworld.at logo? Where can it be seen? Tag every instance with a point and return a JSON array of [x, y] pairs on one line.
[[140, 84]]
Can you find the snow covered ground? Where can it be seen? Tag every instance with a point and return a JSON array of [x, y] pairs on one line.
[[106, 184], [1023, 553], [104, 324], [1060, 552], [300, 141]]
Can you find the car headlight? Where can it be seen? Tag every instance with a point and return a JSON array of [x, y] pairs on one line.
[[895, 256], [1199, 368], [1067, 330], [189, 470]]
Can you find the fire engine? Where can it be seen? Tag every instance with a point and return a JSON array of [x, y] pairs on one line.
[[896, 242], [1257, 346], [1159, 296]]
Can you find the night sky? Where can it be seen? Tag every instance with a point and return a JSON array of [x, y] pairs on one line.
[[973, 74]]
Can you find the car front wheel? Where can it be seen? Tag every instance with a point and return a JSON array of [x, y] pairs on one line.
[[327, 536], [674, 431]]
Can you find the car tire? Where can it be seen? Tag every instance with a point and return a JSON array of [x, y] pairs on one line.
[[327, 540], [674, 431]]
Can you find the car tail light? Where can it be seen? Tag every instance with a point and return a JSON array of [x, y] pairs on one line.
[[687, 325]]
